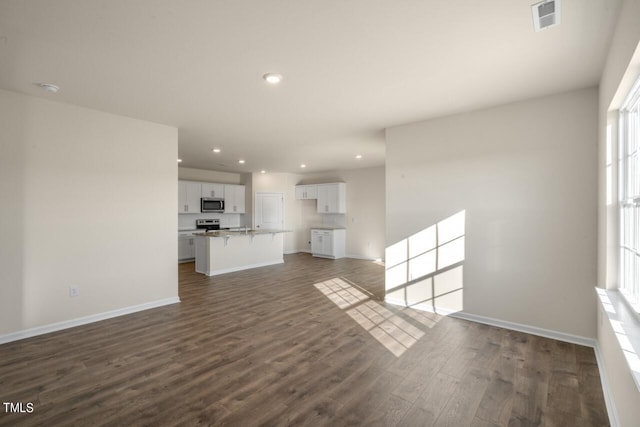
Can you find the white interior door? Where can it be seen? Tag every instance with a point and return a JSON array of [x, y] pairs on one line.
[[269, 208]]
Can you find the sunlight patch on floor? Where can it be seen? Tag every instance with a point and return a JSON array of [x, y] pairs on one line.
[[389, 329]]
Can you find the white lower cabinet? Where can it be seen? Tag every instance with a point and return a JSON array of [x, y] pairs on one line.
[[328, 243], [186, 247]]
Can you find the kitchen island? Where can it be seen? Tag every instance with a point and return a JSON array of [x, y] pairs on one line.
[[219, 252]]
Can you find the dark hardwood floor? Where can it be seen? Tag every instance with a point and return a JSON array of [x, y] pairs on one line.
[[304, 343]]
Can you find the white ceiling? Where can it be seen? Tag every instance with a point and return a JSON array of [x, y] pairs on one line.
[[351, 67]]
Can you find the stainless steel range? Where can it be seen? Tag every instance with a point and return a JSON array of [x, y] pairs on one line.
[[208, 224]]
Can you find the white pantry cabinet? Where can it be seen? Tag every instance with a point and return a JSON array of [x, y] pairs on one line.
[[306, 192], [328, 243], [189, 194], [332, 198], [234, 198], [212, 190]]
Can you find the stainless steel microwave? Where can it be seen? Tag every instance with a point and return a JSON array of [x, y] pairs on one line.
[[211, 205]]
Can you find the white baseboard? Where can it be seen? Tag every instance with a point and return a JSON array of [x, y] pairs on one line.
[[325, 256], [421, 307], [53, 327], [306, 251], [608, 397], [240, 268], [533, 330], [366, 258]]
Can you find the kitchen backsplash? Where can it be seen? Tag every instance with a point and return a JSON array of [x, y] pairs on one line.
[[338, 220], [226, 220]]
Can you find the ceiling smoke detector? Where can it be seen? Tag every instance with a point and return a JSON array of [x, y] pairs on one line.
[[546, 14]]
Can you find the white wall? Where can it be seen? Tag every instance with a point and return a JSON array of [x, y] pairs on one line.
[[281, 183], [623, 391], [526, 175], [87, 199], [365, 217], [190, 174]]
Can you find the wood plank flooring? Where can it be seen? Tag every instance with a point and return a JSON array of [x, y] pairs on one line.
[[267, 347]]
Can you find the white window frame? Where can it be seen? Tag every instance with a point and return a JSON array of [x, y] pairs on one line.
[[629, 197]]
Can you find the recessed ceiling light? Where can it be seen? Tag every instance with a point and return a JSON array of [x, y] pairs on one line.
[[303, 165], [272, 78], [216, 150], [263, 171], [48, 87], [358, 156], [241, 161], [179, 160]]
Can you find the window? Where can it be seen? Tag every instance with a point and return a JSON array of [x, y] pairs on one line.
[[629, 131]]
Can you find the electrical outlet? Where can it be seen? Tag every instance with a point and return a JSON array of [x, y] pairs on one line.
[[74, 291]]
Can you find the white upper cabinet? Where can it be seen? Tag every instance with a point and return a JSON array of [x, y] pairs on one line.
[[211, 190], [234, 198], [332, 198], [189, 194], [304, 192]]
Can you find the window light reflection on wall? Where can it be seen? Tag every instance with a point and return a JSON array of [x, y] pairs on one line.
[[425, 270]]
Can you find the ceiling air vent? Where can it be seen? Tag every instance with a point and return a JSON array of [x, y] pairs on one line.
[[546, 14]]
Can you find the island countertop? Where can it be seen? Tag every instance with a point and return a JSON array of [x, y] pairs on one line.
[[232, 233]]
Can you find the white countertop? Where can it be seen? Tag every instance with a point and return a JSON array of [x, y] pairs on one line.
[[329, 227], [229, 233]]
